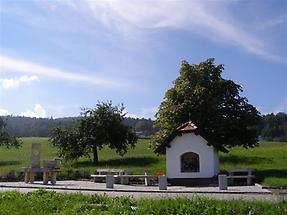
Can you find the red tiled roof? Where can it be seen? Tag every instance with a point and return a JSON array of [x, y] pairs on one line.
[[187, 127]]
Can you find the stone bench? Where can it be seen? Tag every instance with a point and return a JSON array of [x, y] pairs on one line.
[[125, 179], [98, 176], [241, 174], [50, 170], [48, 174]]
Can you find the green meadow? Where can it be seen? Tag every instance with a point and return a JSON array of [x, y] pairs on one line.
[[44, 202], [269, 159]]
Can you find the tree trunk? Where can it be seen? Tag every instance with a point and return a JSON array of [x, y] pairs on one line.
[[95, 154]]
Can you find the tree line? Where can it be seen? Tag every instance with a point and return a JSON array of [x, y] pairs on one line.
[[20, 126], [272, 127]]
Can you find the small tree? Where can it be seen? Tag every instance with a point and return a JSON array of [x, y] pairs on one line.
[[5, 139], [213, 103], [96, 128]]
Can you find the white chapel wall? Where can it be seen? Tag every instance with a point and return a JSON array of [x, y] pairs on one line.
[[189, 142]]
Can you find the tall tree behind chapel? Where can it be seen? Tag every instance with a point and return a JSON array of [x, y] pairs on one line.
[[213, 103]]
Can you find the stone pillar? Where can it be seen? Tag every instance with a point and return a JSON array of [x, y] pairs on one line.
[[53, 178], [249, 179], [45, 177], [27, 177], [32, 177], [35, 155], [222, 182], [146, 180], [162, 182], [124, 180], [110, 181]]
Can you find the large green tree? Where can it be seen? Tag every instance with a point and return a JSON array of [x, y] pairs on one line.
[[95, 128], [5, 139], [214, 104]]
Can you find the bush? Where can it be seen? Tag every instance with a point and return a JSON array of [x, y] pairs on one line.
[[69, 174]]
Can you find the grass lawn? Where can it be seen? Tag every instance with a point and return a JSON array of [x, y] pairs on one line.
[[141, 157], [44, 202], [270, 159]]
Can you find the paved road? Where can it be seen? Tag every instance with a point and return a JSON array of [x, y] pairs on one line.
[[240, 192]]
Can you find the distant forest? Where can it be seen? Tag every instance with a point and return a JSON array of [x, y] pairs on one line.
[[40, 127], [273, 127]]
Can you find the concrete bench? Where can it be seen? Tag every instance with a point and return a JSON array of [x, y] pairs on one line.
[[98, 176], [107, 172], [112, 171], [48, 174], [125, 179], [110, 179], [103, 177], [241, 174], [103, 174], [50, 170]]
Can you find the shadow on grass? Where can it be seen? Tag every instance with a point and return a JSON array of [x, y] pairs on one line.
[[130, 161], [9, 163], [276, 173], [246, 160]]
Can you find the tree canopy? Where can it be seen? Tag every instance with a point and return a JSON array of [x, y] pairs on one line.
[[214, 104], [5, 139], [95, 128]]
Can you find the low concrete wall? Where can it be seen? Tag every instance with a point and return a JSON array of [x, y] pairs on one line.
[[193, 182]]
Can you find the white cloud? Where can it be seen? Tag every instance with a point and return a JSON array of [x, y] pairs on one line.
[[60, 110], [278, 20], [131, 115], [203, 17], [4, 112], [22, 66], [149, 112], [281, 108], [38, 112], [8, 83], [145, 113]]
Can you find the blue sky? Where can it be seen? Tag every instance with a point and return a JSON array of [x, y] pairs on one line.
[[60, 55]]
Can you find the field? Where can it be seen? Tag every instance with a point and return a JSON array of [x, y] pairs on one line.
[[44, 202], [270, 160]]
